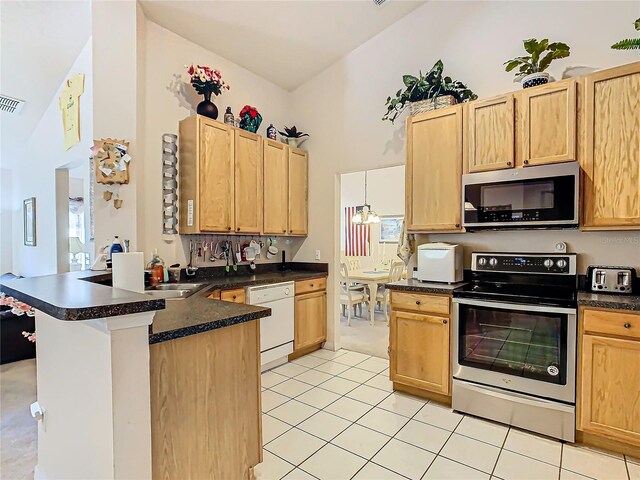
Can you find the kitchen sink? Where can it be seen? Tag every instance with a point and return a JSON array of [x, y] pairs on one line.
[[174, 291]]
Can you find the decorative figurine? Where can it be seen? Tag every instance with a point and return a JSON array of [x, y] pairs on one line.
[[228, 117], [272, 133]]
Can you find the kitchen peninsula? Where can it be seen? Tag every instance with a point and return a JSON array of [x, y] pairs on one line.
[[133, 386]]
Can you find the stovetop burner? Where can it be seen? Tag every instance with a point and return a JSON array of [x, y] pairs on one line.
[[530, 279]]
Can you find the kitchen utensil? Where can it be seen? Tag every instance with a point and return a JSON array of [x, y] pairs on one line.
[[243, 251], [238, 257], [252, 265], [611, 279], [250, 253], [272, 251]]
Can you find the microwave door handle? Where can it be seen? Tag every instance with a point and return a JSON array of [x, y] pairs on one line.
[[512, 306]]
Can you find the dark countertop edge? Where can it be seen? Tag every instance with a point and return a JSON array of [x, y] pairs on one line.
[[446, 289], [237, 283], [609, 301], [86, 313], [207, 326]]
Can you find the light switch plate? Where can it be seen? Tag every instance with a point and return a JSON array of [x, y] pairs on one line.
[[317, 254]]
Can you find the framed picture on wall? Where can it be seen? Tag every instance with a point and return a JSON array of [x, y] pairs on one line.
[[390, 228], [29, 213]]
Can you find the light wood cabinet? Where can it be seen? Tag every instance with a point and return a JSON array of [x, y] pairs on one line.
[[276, 191], [491, 134], [248, 182], [612, 153], [549, 123], [419, 339], [298, 195], [434, 170], [310, 327], [609, 385]]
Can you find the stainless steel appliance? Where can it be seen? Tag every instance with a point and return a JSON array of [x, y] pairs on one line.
[[611, 279], [545, 196], [440, 262], [514, 342]]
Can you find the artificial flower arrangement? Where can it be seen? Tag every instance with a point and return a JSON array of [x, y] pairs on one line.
[[19, 308], [250, 119], [206, 80]]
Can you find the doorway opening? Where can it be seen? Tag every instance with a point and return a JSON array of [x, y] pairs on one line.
[[371, 212]]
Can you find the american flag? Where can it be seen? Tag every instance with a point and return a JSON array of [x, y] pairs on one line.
[[356, 237]]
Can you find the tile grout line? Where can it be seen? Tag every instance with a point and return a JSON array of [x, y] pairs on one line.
[[504, 441]]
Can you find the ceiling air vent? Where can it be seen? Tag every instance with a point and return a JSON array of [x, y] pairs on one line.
[[10, 105], [378, 2]]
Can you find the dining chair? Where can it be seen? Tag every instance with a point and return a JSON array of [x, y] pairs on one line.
[[382, 295], [350, 296]]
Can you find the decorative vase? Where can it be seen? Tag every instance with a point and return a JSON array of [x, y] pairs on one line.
[[295, 142], [535, 79], [207, 108], [249, 123], [272, 133]]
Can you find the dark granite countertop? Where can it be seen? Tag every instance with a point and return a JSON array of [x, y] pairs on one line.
[[67, 297], [412, 285], [609, 300]]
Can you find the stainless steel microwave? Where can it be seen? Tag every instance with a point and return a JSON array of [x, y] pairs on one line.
[[545, 196]]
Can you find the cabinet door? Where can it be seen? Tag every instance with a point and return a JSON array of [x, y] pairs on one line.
[[298, 196], [276, 188], [310, 319], [233, 296], [492, 134], [434, 170], [612, 157], [216, 176], [420, 351], [610, 392], [248, 182], [549, 116]]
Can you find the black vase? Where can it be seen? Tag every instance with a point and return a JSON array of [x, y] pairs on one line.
[[207, 108]]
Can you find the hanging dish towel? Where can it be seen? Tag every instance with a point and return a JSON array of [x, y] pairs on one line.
[[406, 244]]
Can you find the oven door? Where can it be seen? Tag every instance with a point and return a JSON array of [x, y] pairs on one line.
[[523, 348], [544, 196]]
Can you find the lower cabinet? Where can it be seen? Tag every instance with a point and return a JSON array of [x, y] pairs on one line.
[[609, 388], [234, 296], [420, 354], [310, 324]]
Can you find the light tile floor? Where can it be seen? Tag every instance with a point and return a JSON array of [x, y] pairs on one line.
[[333, 415]]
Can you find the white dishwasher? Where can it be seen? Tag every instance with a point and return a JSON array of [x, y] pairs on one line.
[[276, 330]]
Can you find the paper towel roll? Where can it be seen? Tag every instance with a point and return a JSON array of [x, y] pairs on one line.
[[128, 271]]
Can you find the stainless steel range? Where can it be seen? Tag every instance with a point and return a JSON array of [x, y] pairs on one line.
[[514, 344]]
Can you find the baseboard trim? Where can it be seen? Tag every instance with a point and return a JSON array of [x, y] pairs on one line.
[[437, 397], [607, 444]]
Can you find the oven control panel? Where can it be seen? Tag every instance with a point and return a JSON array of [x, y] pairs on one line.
[[560, 264]]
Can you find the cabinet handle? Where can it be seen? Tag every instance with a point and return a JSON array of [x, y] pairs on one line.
[[526, 162], [312, 285], [417, 302], [457, 225], [229, 228], [445, 321], [235, 297], [508, 164], [238, 229], [284, 231], [627, 325]]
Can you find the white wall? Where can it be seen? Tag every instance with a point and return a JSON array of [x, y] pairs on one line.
[[6, 221], [385, 194], [168, 98], [34, 174], [342, 107]]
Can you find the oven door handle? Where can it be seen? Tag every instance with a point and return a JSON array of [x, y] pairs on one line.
[[514, 306]]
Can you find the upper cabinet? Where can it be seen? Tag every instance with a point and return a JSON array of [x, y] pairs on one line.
[[612, 152], [491, 134], [276, 192], [236, 182], [549, 123], [298, 195], [248, 182], [434, 170]]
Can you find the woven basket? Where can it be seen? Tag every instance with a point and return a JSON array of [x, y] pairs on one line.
[[431, 104]]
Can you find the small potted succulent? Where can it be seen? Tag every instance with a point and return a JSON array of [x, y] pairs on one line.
[[206, 82], [250, 119], [531, 68], [292, 136], [427, 92], [629, 43]]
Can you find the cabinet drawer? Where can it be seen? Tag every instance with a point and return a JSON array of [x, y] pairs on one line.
[[311, 285], [420, 302], [612, 323], [235, 296]]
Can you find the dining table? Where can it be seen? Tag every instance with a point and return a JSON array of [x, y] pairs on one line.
[[372, 278]]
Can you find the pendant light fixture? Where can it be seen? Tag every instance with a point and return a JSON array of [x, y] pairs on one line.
[[364, 215]]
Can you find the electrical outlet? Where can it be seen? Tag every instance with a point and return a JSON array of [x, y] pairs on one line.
[[317, 254]]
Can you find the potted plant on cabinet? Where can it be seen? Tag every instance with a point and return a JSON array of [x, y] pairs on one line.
[[531, 68], [293, 137], [629, 43], [427, 92]]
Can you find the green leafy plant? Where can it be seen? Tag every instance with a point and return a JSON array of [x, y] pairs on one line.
[[537, 61], [292, 133], [629, 43], [423, 87]]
